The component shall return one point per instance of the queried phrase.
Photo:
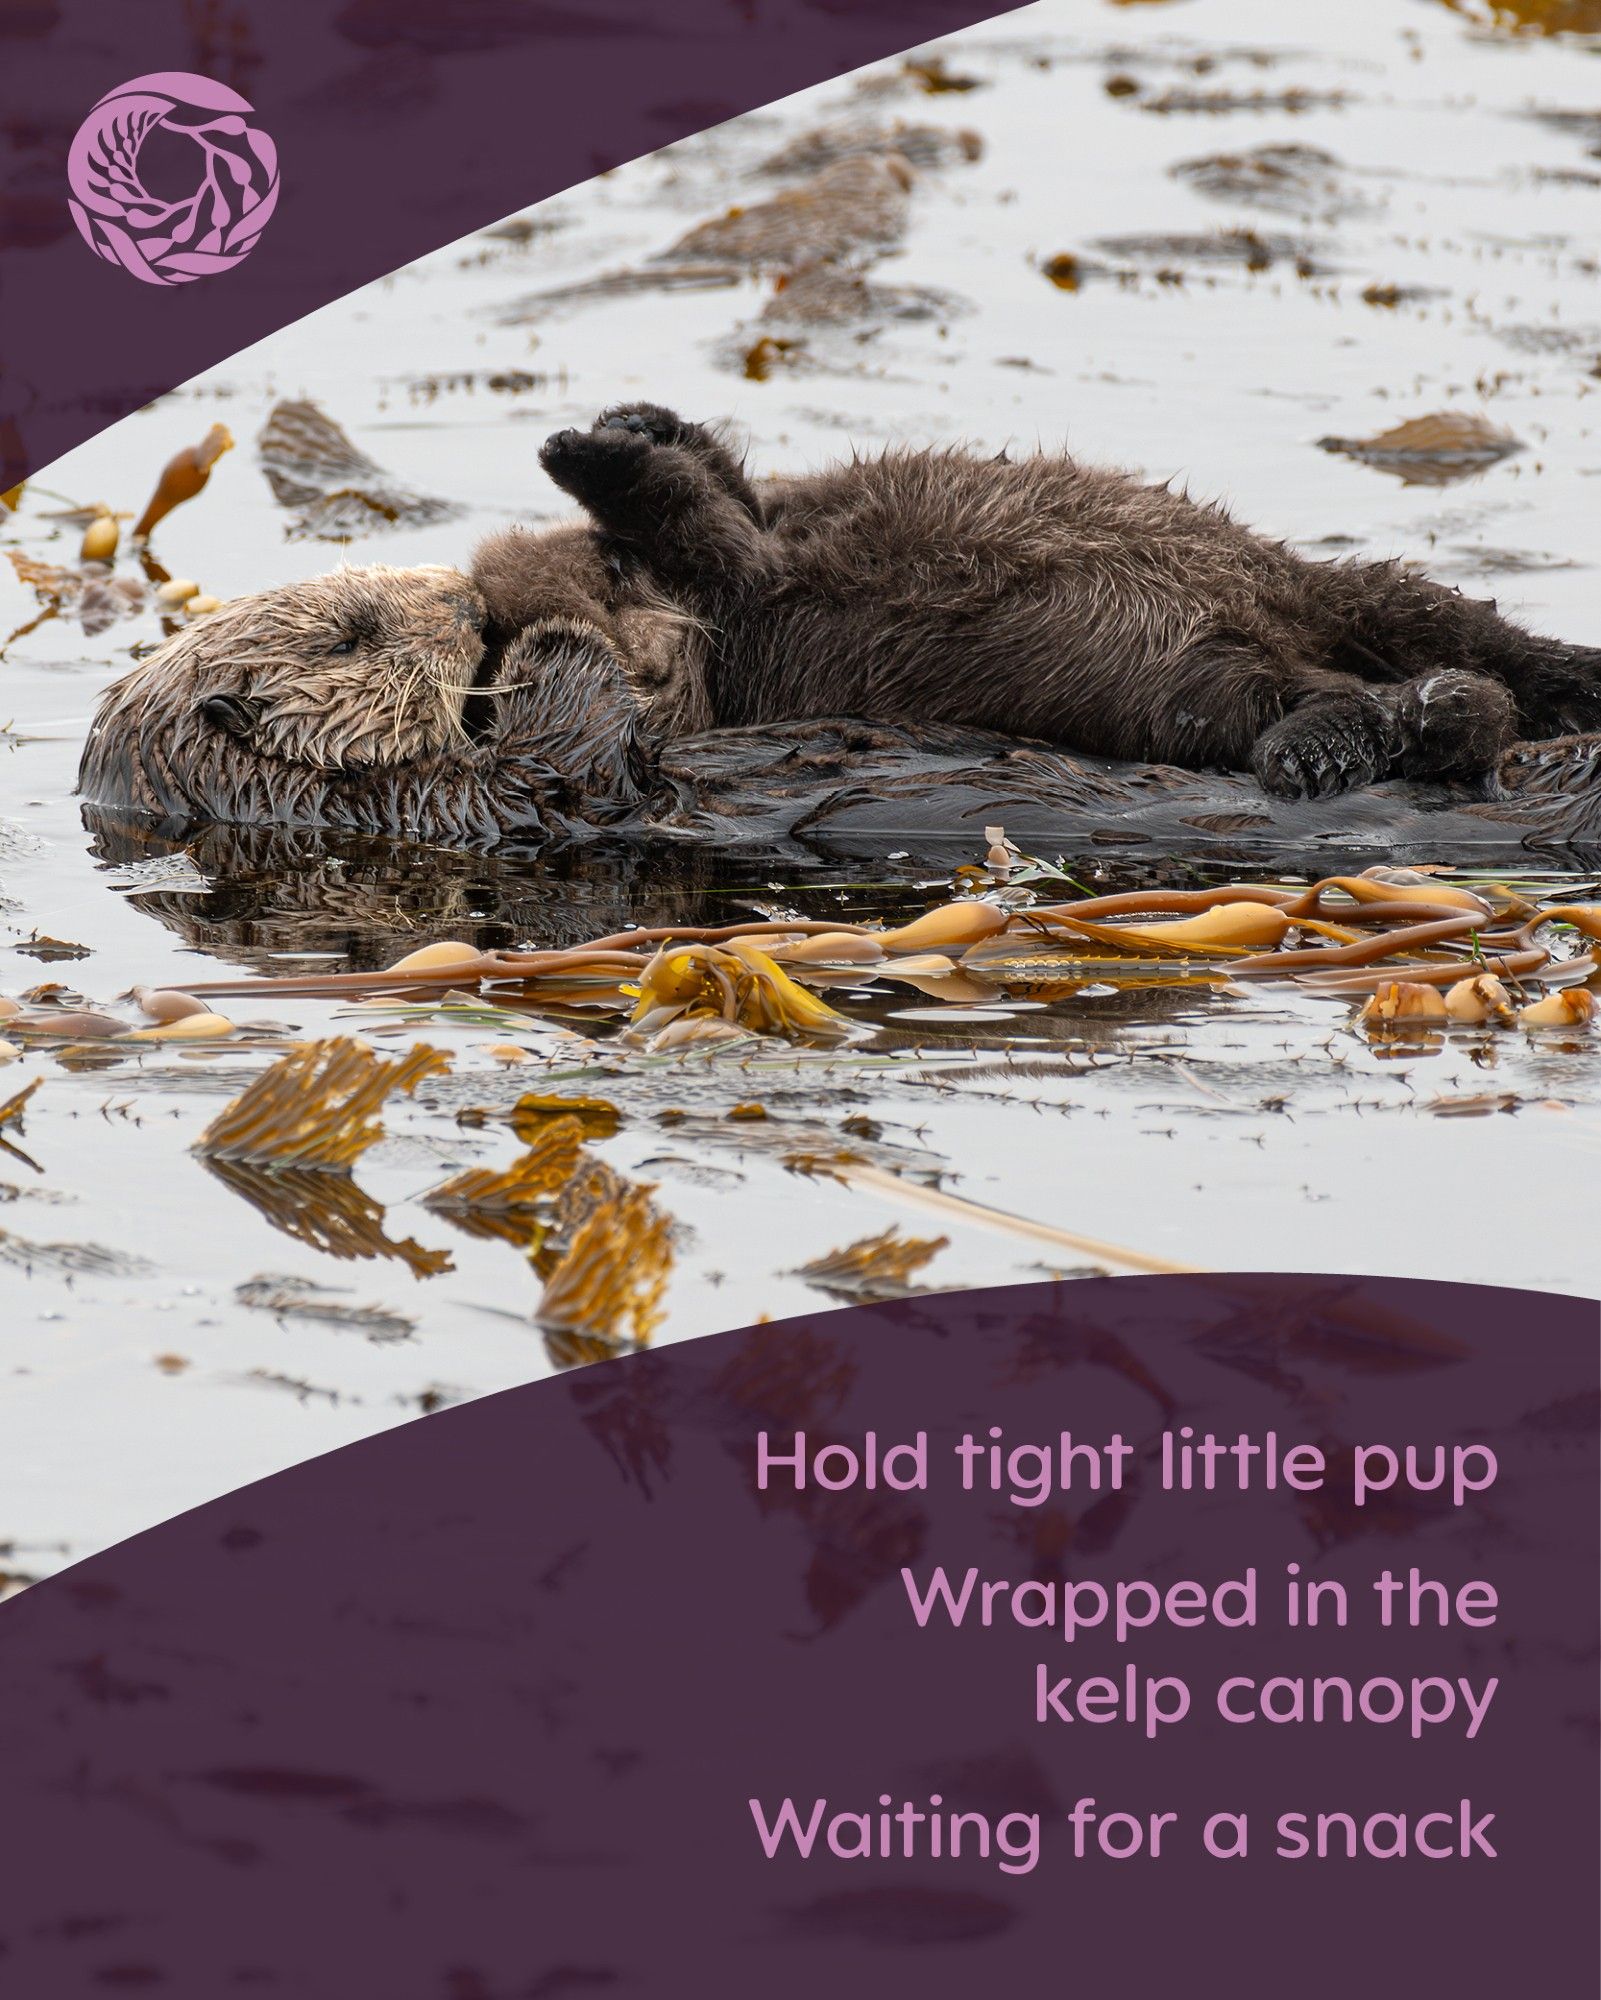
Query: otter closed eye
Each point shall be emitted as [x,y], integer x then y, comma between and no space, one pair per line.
[354,671]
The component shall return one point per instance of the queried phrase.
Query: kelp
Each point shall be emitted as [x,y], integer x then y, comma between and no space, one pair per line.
[183,477]
[316,1107]
[328,1212]
[598,1241]
[1431,451]
[851,1171]
[1572,1007]
[331,489]
[70,1260]
[513,1202]
[691,989]
[12,1109]
[100,539]
[608,1286]
[738,984]
[1533,17]
[89,591]
[533,1113]
[290,1297]
[875,1268]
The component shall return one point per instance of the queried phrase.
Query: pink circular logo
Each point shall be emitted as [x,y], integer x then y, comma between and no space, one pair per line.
[207,230]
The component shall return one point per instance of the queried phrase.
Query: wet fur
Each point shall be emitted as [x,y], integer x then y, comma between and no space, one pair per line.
[258,715]
[935,594]
[1038,597]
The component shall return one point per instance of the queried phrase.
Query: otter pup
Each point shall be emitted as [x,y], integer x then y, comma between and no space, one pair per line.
[1036,597]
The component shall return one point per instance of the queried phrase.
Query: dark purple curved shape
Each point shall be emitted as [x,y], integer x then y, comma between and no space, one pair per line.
[473,1710]
[400,125]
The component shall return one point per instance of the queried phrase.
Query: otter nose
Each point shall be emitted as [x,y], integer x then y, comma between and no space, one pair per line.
[235,714]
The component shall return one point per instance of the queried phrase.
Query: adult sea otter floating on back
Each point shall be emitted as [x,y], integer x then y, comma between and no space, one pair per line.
[912,642]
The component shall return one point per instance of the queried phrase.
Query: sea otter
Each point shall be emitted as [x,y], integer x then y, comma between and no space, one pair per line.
[936,597]
[1037,597]
[368,699]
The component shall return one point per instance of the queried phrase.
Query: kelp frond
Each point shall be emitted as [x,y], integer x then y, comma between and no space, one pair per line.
[737,984]
[522,1194]
[609,1283]
[316,1107]
[875,1267]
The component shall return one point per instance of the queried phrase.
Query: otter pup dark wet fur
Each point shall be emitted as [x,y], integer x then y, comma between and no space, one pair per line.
[1038,597]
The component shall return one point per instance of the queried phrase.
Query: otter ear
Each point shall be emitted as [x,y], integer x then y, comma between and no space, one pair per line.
[235,714]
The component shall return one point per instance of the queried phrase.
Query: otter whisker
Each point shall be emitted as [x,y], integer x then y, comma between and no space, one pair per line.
[402,699]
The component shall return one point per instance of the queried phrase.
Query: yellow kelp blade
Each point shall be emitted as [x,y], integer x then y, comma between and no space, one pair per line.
[1230,927]
[737,983]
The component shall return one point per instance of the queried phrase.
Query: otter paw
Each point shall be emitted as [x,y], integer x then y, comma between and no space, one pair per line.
[648,420]
[1325,748]
[1453,724]
[590,465]
[1560,696]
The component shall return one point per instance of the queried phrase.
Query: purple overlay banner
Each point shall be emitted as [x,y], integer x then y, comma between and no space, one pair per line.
[1227,1634]
[178,180]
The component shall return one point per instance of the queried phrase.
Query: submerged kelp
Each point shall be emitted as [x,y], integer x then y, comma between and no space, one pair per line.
[514,1202]
[316,1108]
[876,1268]
[326,1211]
[608,1285]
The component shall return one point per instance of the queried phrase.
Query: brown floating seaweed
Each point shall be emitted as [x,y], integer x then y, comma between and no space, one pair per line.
[1532,17]
[532,1115]
[875,1268]
[516,1201]
[789,1376]
[89,592]
[601,1245]
[316,1107]
[1432,450]
[11,1111]
[333,490]
[290,1297]
[727,981]
[608,1284]
[738,984]
[858,204]
[183,476]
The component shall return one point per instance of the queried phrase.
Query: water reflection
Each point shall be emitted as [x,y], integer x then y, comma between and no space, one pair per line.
[327,1212]
[256,896]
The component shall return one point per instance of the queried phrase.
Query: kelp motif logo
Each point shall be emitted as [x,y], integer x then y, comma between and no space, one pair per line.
[212,227]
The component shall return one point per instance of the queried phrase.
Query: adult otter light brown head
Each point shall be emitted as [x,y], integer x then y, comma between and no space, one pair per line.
[350,672]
